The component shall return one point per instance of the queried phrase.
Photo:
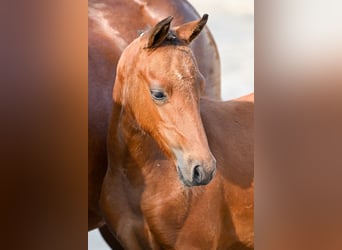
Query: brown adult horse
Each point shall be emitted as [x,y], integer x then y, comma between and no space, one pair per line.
[159,191]
[113,24]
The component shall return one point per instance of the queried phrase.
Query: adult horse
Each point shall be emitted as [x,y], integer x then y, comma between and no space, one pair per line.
[165,145]
[113,24]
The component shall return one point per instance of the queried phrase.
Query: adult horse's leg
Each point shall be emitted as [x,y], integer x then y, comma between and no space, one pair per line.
[97,166]
[110,238]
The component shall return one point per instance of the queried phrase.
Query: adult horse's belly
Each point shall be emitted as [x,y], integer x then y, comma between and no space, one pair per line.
[112,26]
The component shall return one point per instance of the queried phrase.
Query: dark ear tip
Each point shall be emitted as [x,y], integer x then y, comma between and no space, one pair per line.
[165,21]
[203,20]
[169,18]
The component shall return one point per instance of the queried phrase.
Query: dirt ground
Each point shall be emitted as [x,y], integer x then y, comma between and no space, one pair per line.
[232,25]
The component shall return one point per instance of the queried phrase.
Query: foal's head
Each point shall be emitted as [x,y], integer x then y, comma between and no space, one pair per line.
[158,83]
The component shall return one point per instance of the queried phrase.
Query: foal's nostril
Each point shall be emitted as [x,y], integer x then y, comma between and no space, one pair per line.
[197,175]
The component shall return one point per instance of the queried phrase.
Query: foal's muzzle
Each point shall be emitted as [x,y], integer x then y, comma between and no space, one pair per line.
[199,174]
[202,177]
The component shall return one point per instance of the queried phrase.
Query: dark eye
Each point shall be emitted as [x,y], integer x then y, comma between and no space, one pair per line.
[158,95]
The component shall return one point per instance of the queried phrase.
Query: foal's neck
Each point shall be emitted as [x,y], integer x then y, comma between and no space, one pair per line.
[138,147]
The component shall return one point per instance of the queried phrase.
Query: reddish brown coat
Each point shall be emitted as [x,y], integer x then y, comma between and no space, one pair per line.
[149,197]
[113,24]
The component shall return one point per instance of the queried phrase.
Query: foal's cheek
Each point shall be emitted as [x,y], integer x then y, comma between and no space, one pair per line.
[169,116]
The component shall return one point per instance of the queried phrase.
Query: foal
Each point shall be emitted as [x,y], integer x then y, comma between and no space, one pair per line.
[160,190]
[112,25]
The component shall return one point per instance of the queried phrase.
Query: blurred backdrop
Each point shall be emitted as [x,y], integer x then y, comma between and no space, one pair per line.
[232,24]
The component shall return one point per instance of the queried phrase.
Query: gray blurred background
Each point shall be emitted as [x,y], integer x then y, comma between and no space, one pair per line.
[232,25]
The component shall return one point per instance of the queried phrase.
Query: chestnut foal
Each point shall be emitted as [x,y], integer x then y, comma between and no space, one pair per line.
[113,25]
[162,189]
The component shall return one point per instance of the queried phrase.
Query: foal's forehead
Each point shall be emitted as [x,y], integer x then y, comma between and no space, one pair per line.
[173,62]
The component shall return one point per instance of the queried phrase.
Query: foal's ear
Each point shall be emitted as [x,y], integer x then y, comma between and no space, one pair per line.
[189,31]
[159,33]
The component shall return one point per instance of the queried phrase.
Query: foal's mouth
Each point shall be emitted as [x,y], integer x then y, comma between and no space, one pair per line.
[186,183]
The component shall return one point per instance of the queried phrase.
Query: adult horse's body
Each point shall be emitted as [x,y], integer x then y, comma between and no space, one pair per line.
[165,146]
[113,24]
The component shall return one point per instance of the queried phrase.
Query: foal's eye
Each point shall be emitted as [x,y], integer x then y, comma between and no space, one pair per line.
[158,95]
